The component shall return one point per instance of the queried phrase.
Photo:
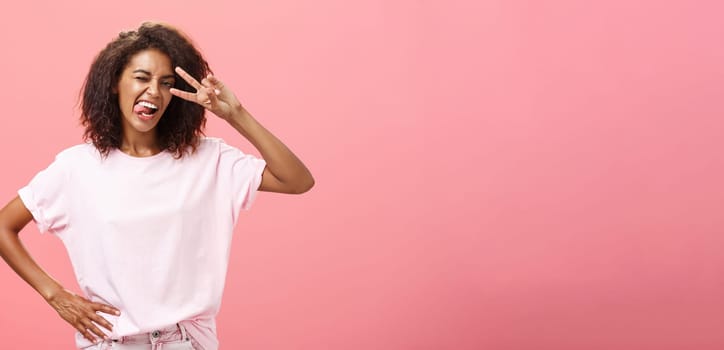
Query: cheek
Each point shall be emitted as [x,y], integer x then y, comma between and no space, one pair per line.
[123,100]
[126,91]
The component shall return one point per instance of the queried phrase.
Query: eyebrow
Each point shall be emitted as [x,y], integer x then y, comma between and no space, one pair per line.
[148,73]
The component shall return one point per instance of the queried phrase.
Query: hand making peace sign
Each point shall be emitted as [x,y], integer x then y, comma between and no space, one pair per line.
[210,93]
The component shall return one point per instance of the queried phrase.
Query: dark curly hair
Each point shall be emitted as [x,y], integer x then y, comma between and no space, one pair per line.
[184,121]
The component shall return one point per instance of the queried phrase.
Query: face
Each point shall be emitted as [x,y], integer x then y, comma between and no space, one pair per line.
[144,90]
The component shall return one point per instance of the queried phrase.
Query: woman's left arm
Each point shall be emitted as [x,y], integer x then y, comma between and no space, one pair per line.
[284,172]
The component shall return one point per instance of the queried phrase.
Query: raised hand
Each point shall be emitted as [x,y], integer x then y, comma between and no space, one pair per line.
[82,313]
[210,93]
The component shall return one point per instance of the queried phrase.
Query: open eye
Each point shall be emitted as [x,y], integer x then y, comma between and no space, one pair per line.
[168,84]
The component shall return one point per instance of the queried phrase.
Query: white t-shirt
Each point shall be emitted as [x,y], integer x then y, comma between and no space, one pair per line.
[151,235]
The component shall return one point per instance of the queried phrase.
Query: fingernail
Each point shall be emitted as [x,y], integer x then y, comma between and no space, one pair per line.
[217,91]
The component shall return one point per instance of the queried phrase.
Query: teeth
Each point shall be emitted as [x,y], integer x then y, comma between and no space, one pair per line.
[148,104]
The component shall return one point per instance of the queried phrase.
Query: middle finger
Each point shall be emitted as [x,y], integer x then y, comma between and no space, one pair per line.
[102,322]
[92,327]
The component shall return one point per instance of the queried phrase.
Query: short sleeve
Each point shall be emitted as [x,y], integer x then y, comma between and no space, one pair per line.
[242,173]
[45,197]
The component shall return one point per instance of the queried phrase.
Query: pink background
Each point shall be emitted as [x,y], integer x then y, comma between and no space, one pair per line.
[490,175]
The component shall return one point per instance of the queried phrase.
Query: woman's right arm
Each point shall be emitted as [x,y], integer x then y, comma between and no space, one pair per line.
[74,309]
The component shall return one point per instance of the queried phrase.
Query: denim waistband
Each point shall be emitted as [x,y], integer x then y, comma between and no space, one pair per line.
[171,333]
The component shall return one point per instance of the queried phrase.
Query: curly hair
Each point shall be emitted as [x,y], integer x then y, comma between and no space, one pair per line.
[100,111]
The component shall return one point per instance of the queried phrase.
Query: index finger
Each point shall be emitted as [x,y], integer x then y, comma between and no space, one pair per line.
[106,308]
[189,79]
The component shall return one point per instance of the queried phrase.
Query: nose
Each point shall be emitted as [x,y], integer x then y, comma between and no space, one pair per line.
[153,88]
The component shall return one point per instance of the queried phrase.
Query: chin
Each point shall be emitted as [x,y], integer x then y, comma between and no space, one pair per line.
[144,128]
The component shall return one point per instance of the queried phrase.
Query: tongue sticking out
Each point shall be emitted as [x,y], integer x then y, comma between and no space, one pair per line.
[143,110]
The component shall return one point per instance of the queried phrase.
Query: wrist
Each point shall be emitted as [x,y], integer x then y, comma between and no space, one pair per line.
[50,291]
[240,118]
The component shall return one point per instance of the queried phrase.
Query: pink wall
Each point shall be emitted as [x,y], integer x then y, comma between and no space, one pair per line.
[490,175]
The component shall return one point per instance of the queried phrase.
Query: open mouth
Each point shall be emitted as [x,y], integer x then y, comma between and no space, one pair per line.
[145,110]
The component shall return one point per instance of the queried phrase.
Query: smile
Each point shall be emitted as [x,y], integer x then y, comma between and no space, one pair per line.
[145,110]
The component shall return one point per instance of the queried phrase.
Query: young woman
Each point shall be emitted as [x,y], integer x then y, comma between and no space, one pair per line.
[147,206]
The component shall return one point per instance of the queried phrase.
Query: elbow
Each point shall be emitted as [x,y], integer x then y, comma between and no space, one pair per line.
[304,186]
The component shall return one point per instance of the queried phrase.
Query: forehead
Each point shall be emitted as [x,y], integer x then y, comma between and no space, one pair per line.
[150,60]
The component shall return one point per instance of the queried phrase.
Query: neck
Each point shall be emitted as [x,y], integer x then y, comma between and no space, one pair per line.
[140,144]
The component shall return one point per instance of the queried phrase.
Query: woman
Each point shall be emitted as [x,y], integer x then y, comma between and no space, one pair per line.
[147,206]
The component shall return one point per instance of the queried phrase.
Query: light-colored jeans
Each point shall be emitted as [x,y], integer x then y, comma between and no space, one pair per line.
[169,338]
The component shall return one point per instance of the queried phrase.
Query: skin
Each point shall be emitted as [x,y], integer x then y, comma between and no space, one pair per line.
[148,76]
